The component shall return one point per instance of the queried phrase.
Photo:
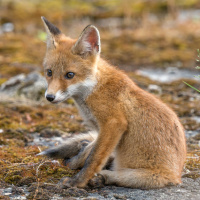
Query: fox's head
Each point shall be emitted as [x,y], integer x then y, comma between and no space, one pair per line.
[70,65]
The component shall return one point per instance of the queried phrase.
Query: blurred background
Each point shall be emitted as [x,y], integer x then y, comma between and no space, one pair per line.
[154,41]
[134,33]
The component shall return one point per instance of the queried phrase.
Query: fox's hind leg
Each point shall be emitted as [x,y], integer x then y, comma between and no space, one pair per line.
[75,150]
[71,147]
[139,178]
[78,161]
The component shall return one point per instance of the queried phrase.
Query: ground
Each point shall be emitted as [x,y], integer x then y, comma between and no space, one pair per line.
[158,52]
[28,126]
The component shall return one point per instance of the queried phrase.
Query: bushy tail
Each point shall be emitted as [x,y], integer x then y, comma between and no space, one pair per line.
[71,147]
[140,178]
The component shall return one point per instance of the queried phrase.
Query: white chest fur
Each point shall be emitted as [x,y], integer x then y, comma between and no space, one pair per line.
[80,92]
[86,114]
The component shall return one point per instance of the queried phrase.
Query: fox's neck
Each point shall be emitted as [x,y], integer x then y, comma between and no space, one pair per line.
[87,88]
[101,75]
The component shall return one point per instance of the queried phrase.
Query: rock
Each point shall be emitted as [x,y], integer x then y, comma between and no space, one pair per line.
[34,86]
[12,82]
[155,89]
[30,86]
[172,70]
[8,27]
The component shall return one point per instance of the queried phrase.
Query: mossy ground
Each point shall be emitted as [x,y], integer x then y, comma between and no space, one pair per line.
[19,163]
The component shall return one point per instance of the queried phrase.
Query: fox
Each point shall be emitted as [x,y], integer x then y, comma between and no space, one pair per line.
[134,139]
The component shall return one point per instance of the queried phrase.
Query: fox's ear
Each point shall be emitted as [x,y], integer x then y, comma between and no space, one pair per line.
[88,42]
[52,33]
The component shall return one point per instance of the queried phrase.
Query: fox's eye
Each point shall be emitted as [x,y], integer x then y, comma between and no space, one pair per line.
[69,75]
[49,73]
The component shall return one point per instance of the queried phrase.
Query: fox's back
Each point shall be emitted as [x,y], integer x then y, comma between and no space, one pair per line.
[155,132]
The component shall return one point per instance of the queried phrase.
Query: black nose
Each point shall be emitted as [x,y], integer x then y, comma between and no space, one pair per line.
[50,97]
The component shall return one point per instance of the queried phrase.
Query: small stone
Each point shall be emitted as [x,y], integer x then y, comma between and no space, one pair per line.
[8,27]
[155,89]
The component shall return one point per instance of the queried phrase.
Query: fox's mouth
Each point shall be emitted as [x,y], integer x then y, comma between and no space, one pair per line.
[58,101]
[57,98]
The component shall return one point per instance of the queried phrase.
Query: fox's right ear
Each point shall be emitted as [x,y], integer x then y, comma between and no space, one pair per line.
[52,33]
[88,43]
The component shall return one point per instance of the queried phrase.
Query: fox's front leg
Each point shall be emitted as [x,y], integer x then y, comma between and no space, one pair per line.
[109,136]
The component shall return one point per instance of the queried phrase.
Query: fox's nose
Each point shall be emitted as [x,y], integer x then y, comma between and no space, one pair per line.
[50,97]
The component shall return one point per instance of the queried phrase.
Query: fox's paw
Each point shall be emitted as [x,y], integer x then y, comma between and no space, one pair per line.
[97,182]
[73,163]
[68,182]
[64,183]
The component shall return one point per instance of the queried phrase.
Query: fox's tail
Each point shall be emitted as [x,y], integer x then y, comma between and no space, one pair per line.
[72,147]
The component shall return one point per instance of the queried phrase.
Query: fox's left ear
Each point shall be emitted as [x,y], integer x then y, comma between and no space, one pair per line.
[88,42]
[52,33]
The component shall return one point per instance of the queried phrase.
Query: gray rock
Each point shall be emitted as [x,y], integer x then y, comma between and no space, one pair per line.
[12,82]
[155,89]
[8,27]
[30,86]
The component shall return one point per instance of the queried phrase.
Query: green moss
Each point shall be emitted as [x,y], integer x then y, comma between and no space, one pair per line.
[193,163]
[13,177]
[27,181]
[193,175]
[11,133]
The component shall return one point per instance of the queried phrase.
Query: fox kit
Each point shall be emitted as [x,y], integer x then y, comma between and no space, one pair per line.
[142,135]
